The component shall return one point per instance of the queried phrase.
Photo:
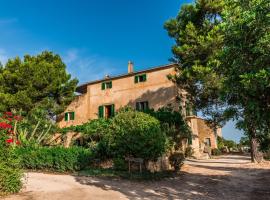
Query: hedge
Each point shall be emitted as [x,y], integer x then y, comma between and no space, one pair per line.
[58,159]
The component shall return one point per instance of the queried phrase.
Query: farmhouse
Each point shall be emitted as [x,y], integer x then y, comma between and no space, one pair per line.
[141,90]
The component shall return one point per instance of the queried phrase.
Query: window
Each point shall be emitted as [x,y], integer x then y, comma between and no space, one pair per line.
[106,85]
[207,142]
[69,116]
[106,111]
[141,106]
[140,78]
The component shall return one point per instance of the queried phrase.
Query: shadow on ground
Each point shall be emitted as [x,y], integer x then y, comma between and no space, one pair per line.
[225,180]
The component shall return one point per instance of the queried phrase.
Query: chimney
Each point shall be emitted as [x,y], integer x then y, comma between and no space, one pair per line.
[130,67]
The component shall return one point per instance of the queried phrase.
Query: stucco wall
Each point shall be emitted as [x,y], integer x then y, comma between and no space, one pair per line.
[201,131]
[206,132]
[78,105]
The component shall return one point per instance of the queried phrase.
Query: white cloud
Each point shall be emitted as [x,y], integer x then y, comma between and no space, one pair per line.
[88,67]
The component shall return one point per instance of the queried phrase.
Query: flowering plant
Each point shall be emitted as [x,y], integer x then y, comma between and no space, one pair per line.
[8,124]
[10,168]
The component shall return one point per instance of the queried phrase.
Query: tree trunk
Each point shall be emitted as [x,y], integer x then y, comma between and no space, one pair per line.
[256,156]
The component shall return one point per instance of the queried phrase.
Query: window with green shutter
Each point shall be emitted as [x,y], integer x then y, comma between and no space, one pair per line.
[112,110]
[140,78]
[72,115]
[136,79]
[103,86]
[69,116]
[101,111]
[106,85]
[142,106]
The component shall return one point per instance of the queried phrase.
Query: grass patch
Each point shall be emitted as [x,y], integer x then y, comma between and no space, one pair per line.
[136,175]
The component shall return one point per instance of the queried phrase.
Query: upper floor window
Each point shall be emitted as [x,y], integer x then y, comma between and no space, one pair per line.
[106,85]
[69,116]
[141,106]
[140,78]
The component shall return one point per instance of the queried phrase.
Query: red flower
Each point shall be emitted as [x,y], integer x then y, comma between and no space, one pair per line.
[8,113]
[4,125]
[18,118]
[10,140]
[9,119]
[18,142]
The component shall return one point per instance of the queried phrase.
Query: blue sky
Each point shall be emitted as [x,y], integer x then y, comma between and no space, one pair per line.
[94,37]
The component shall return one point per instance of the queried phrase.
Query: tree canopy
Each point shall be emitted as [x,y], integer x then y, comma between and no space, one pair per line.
[33,82]
[222,48]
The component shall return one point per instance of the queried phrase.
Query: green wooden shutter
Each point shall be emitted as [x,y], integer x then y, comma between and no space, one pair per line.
[136,79]
[66,116]
[110,84]
[103,86]
[144,77]
[72,117]
[101,111]
[146,105]
[137,106]
[112,110]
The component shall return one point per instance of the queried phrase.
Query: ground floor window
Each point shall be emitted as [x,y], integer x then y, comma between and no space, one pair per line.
[69,116]
[106,111]
[141,106]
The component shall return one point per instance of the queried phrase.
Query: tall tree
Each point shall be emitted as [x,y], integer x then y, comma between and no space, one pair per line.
[36,82]
[246,65]
[222,48]
[198,41]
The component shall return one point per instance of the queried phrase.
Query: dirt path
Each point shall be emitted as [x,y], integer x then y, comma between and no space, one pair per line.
[229,177]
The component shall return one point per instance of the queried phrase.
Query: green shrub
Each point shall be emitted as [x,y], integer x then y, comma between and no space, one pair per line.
[119,164]
[135,134]
[10,179]
[216,152]
[189,151]
[10,172]
[177,160]
[58,159]
[173,124]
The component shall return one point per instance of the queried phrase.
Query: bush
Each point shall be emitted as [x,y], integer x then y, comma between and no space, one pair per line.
[119,164]
[10,172]
[57,159]
[136,134]
[189,151]
[216,152]
[177,160]
[173,124]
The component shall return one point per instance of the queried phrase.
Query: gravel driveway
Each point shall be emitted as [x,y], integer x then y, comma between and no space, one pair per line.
[228,177]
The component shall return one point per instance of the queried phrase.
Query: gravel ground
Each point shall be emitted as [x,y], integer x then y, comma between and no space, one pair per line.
[227,177]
